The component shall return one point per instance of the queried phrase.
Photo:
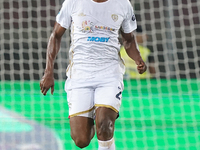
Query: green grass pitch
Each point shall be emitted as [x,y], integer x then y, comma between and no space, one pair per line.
[155,114]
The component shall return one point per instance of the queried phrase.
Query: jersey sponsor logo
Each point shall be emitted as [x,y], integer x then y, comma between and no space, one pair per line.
[98,39]
[88,26]
[133,18]
[104,28]
[114,17]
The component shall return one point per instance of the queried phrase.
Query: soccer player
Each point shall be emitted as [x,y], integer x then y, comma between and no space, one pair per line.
[94,82]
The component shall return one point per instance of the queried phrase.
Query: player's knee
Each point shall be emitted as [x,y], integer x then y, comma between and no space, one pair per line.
[81,143]
[80,140]
[105,129]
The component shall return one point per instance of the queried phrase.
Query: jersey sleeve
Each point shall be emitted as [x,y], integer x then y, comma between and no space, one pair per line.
[129,24]
[64,15]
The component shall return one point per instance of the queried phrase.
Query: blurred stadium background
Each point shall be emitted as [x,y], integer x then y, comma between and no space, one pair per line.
[158,112]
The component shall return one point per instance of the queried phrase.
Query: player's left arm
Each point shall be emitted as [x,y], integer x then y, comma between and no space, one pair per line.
[131,47]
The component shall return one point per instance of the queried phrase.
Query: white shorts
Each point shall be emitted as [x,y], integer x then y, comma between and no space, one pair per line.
[84,96]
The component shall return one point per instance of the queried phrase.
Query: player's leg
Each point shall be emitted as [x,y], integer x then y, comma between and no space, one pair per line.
[105,121]
[81,112]
[82,130]
[107,102]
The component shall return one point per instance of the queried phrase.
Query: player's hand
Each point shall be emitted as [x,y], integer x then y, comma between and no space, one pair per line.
[141,66]
[46,83]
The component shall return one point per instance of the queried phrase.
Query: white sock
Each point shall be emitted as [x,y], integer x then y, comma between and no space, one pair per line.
[107,145]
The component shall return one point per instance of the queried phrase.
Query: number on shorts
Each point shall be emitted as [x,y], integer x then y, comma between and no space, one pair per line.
[117,96]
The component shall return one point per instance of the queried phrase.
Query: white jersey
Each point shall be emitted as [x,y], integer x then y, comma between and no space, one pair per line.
[94,50]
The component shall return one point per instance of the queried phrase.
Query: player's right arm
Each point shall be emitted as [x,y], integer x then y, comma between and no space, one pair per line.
[53,47]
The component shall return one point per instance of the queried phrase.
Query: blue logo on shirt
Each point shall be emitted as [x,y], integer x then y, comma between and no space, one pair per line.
[98,39]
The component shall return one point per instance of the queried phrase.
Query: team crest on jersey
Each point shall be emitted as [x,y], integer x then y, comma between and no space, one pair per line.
[114,17]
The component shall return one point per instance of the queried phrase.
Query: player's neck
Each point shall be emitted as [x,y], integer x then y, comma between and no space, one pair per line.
[100,1]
